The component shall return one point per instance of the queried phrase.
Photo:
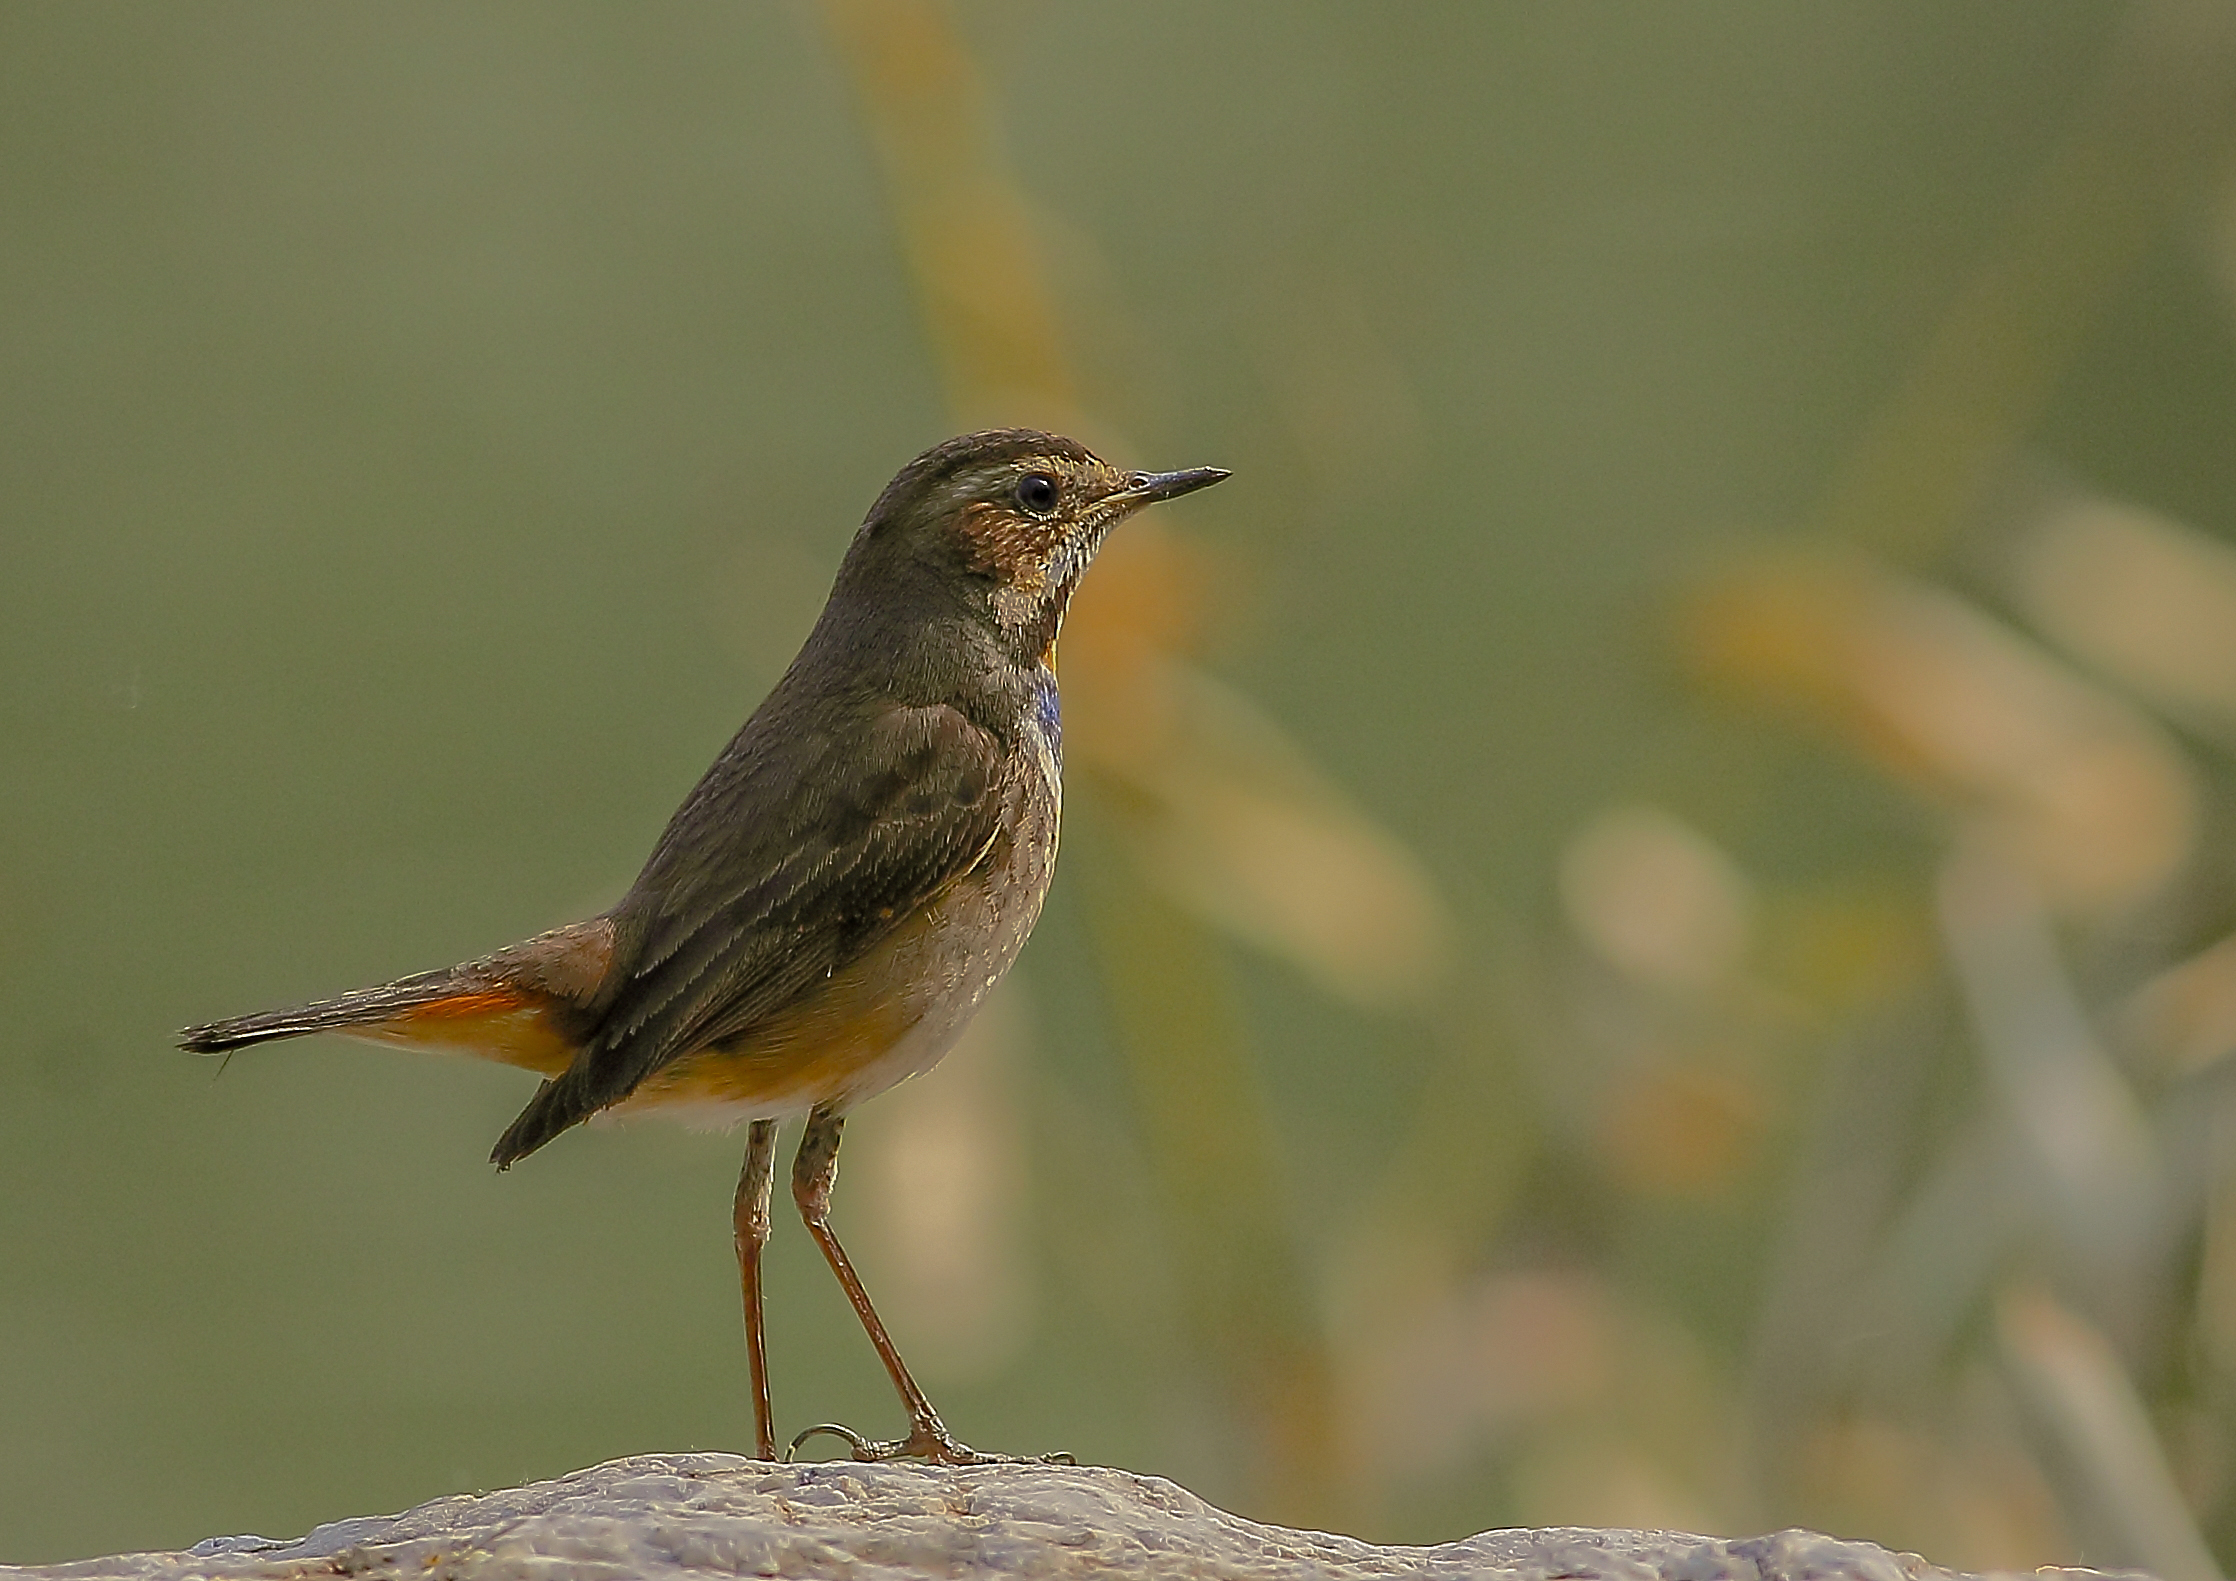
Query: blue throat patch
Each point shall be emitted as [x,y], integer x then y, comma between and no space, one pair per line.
[1048,709]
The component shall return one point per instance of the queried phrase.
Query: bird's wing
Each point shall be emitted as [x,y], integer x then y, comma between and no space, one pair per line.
[782,868]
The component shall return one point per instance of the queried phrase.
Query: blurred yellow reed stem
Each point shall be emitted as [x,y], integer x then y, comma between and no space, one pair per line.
[963,226]
[2070,1380]
[968,239]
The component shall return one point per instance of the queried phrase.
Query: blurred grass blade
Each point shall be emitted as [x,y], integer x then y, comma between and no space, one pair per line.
[1209,1129]
[972,252]
[1940,1256]
[2089,1143]
[1851,1168]
[944,1169]
[2140,596]
[2077,786]
[2184,1017]
[2216,1273]
[1237,825]
[2086,1407]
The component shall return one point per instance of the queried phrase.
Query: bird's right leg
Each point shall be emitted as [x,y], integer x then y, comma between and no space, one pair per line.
[749,1230]
[813,1171]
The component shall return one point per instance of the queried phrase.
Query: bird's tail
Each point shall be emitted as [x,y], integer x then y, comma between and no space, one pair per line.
[522,1006]
[366,1012]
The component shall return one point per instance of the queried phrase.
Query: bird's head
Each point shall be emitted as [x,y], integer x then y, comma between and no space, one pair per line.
[1008,521]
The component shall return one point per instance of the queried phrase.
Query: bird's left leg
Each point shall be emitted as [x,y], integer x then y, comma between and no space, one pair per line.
[749,1230]
[813,1171]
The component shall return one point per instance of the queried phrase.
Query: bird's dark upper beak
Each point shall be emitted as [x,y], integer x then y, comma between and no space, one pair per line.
[1144,488]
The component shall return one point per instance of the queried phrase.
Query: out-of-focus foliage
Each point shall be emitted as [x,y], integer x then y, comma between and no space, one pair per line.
[1646,928]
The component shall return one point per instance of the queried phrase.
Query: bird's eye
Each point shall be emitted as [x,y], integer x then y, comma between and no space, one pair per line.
[1036,492]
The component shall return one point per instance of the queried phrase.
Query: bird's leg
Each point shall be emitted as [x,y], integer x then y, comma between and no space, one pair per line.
[749,1230]
[813,1171]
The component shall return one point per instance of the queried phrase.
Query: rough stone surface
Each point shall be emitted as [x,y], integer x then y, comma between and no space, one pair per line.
[658,1517]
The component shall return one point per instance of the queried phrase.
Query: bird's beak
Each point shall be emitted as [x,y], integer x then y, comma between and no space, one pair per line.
[1146,488]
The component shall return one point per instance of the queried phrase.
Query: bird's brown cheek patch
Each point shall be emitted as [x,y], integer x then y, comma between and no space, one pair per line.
[1004,544]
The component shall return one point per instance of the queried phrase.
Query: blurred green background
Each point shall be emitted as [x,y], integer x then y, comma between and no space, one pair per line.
[1639,939]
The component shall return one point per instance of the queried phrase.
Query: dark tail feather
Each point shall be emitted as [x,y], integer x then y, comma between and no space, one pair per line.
[544,1116]
[556,1106]
[366,1007]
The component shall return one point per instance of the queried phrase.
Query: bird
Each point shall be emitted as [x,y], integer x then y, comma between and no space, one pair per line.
[835,897]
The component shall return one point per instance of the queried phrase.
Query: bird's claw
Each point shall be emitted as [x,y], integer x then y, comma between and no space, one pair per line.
[932,1443]
[859,1447]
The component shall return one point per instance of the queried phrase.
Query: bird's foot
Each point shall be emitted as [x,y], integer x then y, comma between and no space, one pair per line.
[930,1442]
